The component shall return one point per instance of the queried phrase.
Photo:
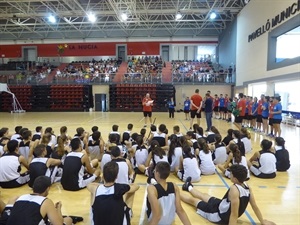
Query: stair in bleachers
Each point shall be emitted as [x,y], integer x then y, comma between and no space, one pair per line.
[121,71]
[49,78]
[167,73]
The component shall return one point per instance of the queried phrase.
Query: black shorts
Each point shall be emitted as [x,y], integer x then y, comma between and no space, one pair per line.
[253,117]
[238,119]
[186,111]
[195,114]
[149,114]
[246,116]
[276,121]
[229,111]
[264,118]
[210,210]
[216,109]
[259,118]
[223,109]
[271,121]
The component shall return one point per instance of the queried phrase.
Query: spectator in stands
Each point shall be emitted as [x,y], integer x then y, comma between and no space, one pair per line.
[230,74]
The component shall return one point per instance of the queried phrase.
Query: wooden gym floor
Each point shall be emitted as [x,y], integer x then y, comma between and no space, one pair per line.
[278,199]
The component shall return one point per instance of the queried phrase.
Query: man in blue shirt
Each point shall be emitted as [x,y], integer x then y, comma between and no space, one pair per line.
[277,116]
[208,109]
[222,107]
[186,108]
[171,106]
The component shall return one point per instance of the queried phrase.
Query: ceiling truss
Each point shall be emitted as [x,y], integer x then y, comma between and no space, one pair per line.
[28,19]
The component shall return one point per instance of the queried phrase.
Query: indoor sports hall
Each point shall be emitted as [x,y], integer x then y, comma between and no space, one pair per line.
[85,63]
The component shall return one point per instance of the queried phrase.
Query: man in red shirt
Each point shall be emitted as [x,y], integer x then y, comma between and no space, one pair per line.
[241,106]
[147,108]
[196,105]
[216,106]
[259,111]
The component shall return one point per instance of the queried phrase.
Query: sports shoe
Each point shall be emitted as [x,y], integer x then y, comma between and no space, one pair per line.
[187,183]
[76,219]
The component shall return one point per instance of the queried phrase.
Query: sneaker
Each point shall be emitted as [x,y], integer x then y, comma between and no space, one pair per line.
[151,180]
[187,183]
[76,219]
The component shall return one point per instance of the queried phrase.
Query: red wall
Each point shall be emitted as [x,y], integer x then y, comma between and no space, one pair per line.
[89,49]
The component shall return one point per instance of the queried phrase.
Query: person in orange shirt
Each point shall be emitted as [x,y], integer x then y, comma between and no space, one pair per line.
[259,113]
[147,108]
[249,106]
[196,105]
[241,106]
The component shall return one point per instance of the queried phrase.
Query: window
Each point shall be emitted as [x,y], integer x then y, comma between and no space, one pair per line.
[289,92]
[288,45]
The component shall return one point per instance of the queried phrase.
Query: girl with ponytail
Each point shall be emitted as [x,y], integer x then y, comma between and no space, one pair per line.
[140,155]
[234,158]
[207,165]
[246,139]
[175,152]
[236,135]
[189,166]
[62,148]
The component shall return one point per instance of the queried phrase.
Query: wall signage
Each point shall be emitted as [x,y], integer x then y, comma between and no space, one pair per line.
[279,18]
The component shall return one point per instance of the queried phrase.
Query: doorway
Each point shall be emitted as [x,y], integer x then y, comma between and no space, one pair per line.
[122,52]
[29,53]
[100,103]
[165,52]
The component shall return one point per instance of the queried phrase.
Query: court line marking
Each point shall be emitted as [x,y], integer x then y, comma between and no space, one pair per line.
[100,117]
[143,210]
[194,184]
[246,212]
[183,125]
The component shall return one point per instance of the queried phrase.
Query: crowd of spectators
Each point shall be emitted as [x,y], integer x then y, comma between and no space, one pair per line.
[102,70]
[144,69]
[199,71]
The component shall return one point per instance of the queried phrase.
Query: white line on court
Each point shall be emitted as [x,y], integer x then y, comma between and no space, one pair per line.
[95,119]
[143,211]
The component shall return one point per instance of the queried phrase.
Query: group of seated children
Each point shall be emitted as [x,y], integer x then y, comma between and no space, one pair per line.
[77,162]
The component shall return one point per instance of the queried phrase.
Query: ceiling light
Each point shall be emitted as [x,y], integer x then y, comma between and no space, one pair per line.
[213,16]
[52,19]
[178,16]
[124,16]
[92,18]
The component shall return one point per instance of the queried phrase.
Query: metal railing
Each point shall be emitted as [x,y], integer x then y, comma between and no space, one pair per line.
[135,78]
[204,78]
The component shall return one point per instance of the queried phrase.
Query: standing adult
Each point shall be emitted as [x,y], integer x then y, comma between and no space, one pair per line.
[259,113]
[222,107]
[147,108]
[186,108]
[277,116]
[241,107]
[208,109]
[196,104]
[171,107]
[230,74]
